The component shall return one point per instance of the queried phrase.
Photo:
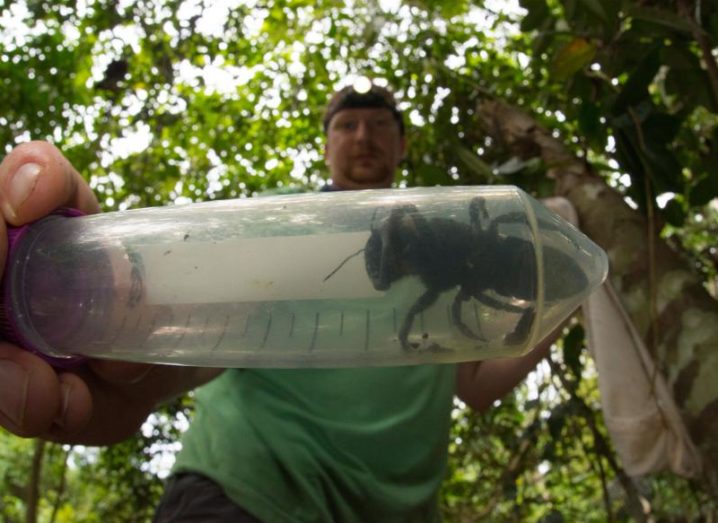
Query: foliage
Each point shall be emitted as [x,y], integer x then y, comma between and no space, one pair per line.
[638,88]
[543,455]
[176,100]
[120,483]
[538,463]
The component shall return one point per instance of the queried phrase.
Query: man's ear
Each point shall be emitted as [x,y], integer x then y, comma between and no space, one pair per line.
[326,153]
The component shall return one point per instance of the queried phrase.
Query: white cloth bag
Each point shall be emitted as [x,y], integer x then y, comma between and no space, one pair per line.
[642,419]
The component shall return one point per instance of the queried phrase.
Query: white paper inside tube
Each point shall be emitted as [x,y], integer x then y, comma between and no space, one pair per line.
[257,269]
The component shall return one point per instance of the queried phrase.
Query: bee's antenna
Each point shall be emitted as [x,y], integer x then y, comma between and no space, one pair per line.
[373,217]
[343,263]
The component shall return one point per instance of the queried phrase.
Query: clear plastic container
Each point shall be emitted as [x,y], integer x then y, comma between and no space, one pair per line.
[355,278]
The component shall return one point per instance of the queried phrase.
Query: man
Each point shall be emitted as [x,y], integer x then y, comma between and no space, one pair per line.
[365,138]
[365,444]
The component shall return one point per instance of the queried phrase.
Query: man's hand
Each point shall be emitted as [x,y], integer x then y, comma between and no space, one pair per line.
[480,383]
[101,402]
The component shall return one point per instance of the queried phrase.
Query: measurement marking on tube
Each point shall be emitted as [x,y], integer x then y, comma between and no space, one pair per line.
[393,318]
[150,330]
[366,330]
[204,329]
[266,330]
[184,330]
[476,317]
[224,331]
[448,315]
[314,334]
[341,324]
[246,324]
[291,326]
[421,321]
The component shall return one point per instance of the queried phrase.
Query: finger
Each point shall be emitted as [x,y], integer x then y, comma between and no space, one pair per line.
[75,410]
[36,179]
[118,372]
[99,412]
[30,398]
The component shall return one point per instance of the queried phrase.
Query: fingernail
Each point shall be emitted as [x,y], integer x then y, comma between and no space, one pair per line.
[65,389]
[20,187]
[15,381]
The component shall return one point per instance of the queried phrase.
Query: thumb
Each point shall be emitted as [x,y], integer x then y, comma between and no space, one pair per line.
[36,179]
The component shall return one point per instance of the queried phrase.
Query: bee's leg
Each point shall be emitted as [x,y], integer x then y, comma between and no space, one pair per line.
[425,301]
[478,214]
[497,304]
[462,296]
[408,221]
[523,328]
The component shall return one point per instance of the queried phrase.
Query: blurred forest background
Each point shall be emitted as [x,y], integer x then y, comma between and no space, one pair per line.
[610,103]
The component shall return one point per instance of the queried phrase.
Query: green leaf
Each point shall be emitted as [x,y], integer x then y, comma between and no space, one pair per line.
[705,190]
[674,213]
[429,174]
[659,131]
[554,516]
[635,90]
[596,8]
[447,8]
[589,122]
[472,161]
[661,17]
[556,423]
[686,78]
[538,12]
[572,57]
[548,452]
[573,344]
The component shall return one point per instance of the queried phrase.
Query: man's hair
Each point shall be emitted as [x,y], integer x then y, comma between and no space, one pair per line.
[376,98]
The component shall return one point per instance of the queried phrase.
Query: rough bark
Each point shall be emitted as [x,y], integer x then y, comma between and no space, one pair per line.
[665,297]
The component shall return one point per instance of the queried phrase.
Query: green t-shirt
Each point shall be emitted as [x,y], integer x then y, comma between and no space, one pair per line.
[313,445]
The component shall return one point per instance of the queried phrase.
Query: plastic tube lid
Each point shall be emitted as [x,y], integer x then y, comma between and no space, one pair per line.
[9,329]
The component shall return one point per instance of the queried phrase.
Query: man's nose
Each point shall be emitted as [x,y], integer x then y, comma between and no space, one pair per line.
[363,130]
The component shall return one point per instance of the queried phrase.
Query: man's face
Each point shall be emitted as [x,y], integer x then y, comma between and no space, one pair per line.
[364,148]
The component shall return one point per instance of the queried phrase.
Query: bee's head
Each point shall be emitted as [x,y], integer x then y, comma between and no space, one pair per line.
[380,259]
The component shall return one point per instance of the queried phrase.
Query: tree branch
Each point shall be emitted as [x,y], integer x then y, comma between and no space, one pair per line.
[709,60]
[608,220]
[685,10]
[60,487]
[653,332]
[33,490]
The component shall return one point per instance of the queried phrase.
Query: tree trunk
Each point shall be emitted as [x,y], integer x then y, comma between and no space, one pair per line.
[33,487]
[665,298]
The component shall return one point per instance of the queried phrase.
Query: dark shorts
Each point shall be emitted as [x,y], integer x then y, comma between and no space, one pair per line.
[192,497]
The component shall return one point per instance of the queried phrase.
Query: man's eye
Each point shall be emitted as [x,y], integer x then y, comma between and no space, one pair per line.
[348,125]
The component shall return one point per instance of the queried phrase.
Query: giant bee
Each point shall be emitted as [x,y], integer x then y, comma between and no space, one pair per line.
[496,269]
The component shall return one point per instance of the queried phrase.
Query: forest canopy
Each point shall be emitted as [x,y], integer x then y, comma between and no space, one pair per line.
[176,101]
